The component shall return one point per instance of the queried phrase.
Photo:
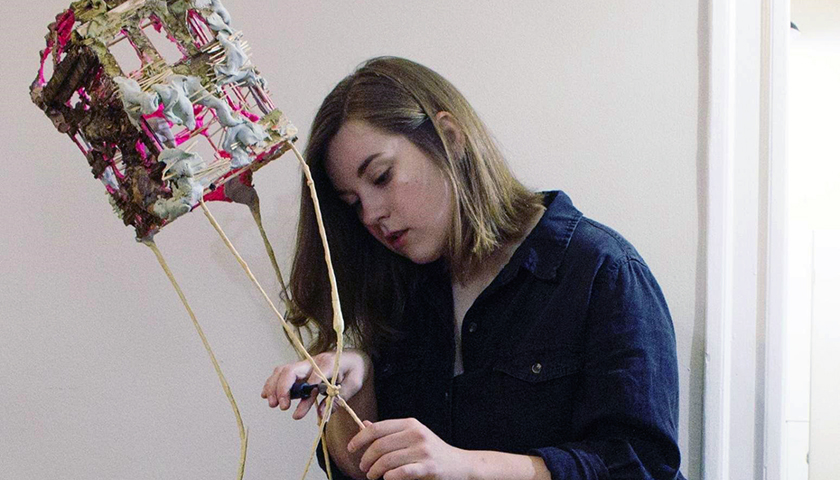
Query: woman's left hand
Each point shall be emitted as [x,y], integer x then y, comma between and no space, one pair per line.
[405,449]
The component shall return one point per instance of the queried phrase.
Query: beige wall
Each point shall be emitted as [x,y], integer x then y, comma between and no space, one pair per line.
[814,248]
[101,373]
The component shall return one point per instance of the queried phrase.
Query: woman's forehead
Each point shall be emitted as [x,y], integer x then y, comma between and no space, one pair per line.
[356,145]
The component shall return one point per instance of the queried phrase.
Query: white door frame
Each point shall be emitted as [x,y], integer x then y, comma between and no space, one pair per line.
[745,299]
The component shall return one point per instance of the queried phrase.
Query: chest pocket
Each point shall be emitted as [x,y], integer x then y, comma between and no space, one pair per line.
[534,393]
[538,366]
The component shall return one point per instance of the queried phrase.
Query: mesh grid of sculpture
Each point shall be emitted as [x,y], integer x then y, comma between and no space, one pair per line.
[131,121]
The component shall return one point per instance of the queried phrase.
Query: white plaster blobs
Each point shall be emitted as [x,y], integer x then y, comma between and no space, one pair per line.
[186,188]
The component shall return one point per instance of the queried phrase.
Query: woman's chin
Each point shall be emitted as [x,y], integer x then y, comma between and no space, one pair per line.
[419,257]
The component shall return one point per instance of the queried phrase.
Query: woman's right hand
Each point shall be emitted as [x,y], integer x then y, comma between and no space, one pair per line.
[355,369]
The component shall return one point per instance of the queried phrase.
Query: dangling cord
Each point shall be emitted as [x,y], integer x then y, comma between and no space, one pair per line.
[243,434]
[255,212]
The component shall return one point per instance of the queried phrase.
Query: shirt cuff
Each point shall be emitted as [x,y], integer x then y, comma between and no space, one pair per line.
[575,463]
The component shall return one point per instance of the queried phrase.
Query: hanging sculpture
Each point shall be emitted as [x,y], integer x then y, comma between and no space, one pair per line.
[131,124]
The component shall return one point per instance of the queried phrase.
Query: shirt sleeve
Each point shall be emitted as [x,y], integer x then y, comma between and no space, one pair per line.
[627,410]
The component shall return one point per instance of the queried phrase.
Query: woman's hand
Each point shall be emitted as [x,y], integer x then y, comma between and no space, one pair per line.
[405,449]
[354,371]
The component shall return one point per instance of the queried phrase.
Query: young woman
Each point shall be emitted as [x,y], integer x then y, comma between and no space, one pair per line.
[499,332]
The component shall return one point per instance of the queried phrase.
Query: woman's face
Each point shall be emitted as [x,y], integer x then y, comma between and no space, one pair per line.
[401,197]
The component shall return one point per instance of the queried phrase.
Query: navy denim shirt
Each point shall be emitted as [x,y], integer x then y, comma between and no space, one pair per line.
[569,354]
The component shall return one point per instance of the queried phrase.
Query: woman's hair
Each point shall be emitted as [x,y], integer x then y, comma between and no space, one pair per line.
[491,207]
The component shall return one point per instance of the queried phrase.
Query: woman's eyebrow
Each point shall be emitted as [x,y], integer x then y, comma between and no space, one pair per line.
[364,165]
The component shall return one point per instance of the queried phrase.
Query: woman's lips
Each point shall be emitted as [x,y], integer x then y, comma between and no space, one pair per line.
[396,240]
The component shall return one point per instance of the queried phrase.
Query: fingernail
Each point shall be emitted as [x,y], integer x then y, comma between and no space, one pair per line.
[350,447]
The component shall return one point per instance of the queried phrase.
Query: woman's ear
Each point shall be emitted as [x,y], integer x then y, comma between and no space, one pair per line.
[453,132]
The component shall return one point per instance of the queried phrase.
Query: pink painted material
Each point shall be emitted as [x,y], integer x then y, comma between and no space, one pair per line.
[156,23]
[141,149]
[195,21]
[245,113]
[61,31]
[157,113]
[219,195]
[185,134]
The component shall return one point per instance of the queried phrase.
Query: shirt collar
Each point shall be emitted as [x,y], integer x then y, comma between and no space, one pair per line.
[543,250]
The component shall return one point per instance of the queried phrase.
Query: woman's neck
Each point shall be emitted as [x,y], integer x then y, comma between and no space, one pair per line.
[486,270]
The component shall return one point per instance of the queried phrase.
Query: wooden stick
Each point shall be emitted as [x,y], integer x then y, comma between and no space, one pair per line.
[248,93]
[197,132]
[116,41]
[154,77]
[338,318]
[324,448]
[243,433]
[204,93]
[321,425]
[210,45]
[159,62]
[221,128]
[159,78]
[210,171]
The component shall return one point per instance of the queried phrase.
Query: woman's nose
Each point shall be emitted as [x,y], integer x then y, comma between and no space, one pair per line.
[372,211]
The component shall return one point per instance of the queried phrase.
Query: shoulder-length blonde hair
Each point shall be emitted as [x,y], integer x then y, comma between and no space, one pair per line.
[401,97]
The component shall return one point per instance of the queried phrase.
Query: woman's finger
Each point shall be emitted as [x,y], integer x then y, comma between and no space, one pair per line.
[388,462]
[269,387]
[385,446]
[323,362]
[285,380]
[322,406]
[375,431]
[304,406]
[287,377]
[406,472]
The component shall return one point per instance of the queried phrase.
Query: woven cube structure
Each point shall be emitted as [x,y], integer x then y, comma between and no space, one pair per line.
[137,123]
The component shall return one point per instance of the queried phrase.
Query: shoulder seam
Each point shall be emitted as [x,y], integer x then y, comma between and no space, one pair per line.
[628,252]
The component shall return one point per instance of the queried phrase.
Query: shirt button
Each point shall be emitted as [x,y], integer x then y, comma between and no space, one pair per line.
[536,368]
[472,327]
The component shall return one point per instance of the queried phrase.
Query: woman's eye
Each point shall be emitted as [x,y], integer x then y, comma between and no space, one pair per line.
[383,178]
